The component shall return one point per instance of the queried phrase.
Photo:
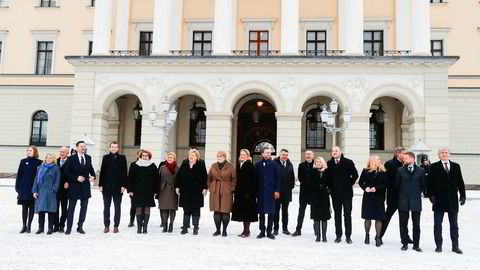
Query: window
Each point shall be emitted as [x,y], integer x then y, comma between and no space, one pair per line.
[314,131]
[48,3]
[258,42]
[316,42]
[138,131]
[1,52]
[202,43]
[39,129]
[198,129]
[90,47]
[146,43]
[436,47]
[377,130]
[3,3]
[44,57]
[437,1]
[373,43]
[92,3]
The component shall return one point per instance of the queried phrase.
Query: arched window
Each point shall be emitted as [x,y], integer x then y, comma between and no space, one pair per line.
[314,130]
[39,129]
[198,127]
[377,131]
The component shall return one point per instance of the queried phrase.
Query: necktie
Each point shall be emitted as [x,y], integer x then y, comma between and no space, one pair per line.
[446,167]
[336,161]
[410,169]
[82,161]
[62,162]
[284,164]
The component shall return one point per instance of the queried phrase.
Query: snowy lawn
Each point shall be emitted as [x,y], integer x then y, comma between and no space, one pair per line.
[157,250]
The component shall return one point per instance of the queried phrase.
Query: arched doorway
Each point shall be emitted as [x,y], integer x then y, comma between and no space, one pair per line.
[256,125]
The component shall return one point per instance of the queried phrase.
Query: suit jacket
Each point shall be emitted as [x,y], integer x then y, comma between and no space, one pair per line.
[62,192]
[305,170]
[444,187]
[73,169]
[113,174]
[287,180]
[410,187]
[342,177]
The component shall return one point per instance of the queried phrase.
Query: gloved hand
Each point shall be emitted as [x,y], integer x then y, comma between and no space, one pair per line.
[462,201]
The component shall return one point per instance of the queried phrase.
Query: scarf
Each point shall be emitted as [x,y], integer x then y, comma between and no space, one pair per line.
[144,163]
[221,164]
[43,170]
[171,166]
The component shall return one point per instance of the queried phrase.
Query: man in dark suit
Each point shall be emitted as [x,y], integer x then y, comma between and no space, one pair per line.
[80,172]
[445,181]
[304,170]
[392,192]
[113,180]
[410,182]
[62,196]
[267,173]
[342,175]
[287,183]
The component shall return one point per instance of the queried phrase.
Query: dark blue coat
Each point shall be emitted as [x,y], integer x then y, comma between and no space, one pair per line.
[268,175]
[410,187]
[287,180]
[25,178]
[47,191]
[73,169]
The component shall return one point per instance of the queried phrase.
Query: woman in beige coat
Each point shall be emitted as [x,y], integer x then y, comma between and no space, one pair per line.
[221,184]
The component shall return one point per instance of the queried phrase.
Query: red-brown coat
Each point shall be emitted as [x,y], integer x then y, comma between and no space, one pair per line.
[221,184]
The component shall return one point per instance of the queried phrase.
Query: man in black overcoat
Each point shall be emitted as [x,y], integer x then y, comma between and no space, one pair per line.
[287,183]
[304,170]
[62,196]
[445,182]
[113,180]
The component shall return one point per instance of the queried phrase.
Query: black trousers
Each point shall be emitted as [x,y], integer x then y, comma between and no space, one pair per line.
[346,204]
[301,215]
[276,219]
[391,209]
[107,202]
[41,220]
[404,216]
[72,203]
[194,213]
[132,210]
[62,206]
[437,227]
[269,223]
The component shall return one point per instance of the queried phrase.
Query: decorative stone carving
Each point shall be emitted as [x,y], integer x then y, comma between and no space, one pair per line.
[289,89]
[416,85]
[154,86]
[218,88]
[357,89]
[101,81]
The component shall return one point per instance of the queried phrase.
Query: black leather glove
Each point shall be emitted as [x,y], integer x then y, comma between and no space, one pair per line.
[432,199]
[462,201]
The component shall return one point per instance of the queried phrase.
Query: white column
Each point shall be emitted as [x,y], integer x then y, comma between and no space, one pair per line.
[177,21]
[355,140]
[289,28]
[121,35]
[224,27]
[350,13]
[402,25]
[102,28]
[289,135]
[219,135]
[420,27]
[162,27]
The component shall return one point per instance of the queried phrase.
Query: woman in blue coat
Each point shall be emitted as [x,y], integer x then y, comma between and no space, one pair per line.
[23,186]
[45,188]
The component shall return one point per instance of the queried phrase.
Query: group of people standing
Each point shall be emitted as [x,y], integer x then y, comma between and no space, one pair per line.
[244,192]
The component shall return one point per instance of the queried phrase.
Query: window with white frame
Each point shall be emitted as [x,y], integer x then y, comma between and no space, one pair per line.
[436,47]
[48,3]
[44,58]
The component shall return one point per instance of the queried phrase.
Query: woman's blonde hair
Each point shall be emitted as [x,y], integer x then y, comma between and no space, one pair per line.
[322,161]
[172,154]
[373,166]
[222,153]
[54,158]
[195,151]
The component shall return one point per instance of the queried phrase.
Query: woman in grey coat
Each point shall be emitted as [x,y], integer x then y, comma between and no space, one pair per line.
[45,188]
[167,198]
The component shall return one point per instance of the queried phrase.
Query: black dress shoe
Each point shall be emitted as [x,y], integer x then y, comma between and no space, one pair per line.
[68,231]
[270,236]
[438,249]
[170,228]
[130,224]
[49,232]
[338,240]
[61,230]
[457,250]
[404,247]
[275,232]
[378,241]
[56,229]
[24,229]
[80,230]
[349,241]
[165,229]
[217,233]
[195,230]
[184,231]
[417,249]
[261,235]
[29,229]
[286,232]
[224,234]
[40,231]
[297,233]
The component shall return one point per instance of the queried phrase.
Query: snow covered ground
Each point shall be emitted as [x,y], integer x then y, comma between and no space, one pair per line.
[157,250]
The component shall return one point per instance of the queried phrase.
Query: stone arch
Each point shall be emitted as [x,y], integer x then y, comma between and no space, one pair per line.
[108,95]
[252,87]
[409,98]
[322,89]
[183,89]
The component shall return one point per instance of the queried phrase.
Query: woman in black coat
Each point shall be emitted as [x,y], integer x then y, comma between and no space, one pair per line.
[142,183]
[23,186]
[191,186]
[319,199]
[244,207]
[373,181]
